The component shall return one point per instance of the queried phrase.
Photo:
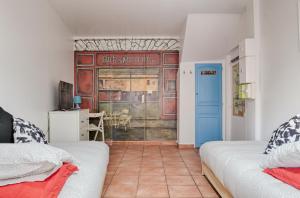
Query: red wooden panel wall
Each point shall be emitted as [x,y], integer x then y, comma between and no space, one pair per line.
[85,79]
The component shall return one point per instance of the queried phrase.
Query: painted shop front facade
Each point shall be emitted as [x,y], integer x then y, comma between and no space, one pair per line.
[136,89]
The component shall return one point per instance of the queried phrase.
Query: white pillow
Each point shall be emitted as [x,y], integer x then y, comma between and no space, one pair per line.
[29,162]
[287,155]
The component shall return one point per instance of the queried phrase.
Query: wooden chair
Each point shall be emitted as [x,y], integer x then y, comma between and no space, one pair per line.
[100,127]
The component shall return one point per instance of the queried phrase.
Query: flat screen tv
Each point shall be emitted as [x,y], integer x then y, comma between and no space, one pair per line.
[65,95]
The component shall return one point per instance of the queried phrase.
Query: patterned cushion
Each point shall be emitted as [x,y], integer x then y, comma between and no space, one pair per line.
[286,133]
[25,132]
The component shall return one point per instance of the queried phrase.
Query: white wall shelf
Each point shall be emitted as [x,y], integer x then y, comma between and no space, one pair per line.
[247,61]
[247,91]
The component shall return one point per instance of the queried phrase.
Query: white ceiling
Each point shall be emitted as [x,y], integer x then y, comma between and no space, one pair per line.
[136,18]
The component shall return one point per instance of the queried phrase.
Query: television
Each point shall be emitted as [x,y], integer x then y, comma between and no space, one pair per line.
[65,95]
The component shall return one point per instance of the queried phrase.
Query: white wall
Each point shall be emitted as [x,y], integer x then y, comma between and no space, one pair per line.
[241,128]
[279,63]
[208,37]
[35,53]
[238,128]
[186,110]
[235,125]
[247,22]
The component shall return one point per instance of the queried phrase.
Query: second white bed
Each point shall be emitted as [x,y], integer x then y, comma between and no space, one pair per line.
[237,167]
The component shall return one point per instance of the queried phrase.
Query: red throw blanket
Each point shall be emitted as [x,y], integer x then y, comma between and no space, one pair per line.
[49,188]
[290,176]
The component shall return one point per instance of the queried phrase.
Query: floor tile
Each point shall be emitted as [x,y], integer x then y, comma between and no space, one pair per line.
[132,158]
[108,179]
[152,153]
[180,181]
[104,190]
[174,164]
[172,159]
[184,191]
[208,192]
[147,191]
[125,179]
[123,190]
[171,154]
[150,179]
[151,147]
[111,170]
[149,163]
[156,153]
[152,158]
[115,160]
[130,164]
[195,170]
[128,171]
[155,171]
[176,171]
[200,180]
[191,163]
[152,171]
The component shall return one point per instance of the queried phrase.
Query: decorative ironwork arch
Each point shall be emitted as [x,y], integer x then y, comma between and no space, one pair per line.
[124,44]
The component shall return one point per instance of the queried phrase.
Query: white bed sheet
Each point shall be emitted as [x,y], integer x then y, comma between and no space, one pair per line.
[237,166]
[93,158]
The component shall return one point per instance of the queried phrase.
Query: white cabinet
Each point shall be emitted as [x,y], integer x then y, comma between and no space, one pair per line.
[247,60]
[247,67]
[247,48]
[68,126]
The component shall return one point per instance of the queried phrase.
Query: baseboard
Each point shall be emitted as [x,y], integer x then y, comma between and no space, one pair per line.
[186,146]
[149,143]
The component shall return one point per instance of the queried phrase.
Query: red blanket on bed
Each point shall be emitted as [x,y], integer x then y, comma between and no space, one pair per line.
[49,188]
[290,176]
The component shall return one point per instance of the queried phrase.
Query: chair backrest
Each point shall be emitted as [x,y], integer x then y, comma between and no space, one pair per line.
[125,111]
[100,116]
[97,115]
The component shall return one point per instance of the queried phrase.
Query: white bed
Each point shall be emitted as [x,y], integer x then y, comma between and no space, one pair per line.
[88,182]
[236,165]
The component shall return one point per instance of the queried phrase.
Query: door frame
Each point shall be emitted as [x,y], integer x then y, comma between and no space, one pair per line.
[224,86]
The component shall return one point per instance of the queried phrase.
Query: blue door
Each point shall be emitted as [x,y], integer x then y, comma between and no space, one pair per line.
[208,103]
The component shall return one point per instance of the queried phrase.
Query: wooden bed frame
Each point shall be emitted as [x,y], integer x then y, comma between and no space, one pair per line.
[215,181]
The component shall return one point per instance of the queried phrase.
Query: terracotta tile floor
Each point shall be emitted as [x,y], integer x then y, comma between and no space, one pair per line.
[155,171]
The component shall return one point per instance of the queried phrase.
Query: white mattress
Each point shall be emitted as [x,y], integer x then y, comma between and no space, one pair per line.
[237,166]
[93,159]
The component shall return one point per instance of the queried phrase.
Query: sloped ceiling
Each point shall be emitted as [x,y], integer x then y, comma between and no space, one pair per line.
[136,18]
[210,41]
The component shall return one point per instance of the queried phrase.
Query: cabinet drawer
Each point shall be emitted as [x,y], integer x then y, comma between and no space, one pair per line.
[84,113]
[84,135]
[84,122]
[84,119]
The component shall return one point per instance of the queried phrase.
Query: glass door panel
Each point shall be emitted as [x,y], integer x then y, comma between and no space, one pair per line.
[122,96]
[138,103]
[153,94]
